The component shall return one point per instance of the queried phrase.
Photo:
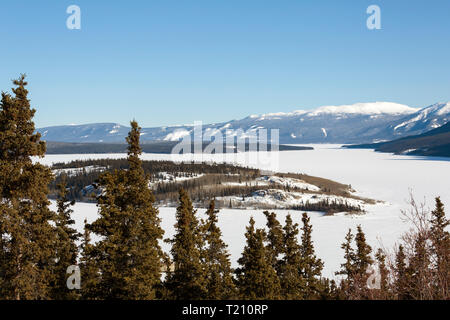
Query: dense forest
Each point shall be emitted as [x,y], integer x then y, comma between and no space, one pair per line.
[38,246]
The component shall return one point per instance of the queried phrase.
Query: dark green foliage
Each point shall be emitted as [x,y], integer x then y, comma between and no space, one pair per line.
[66,247]
[419,265]
[330,207]
[256,278]
[275,239]
[356,266]
[291,279]
[402,275]
[384,291]
[311,266]
[188,280]
[440,250]
[348,267]
[90,277]
[128,256]
[216,258]
[28,239]
[363,260]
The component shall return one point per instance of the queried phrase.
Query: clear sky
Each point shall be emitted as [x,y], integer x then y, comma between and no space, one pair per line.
[173,62]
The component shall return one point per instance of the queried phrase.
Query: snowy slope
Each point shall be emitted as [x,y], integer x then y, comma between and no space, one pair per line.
[426,119]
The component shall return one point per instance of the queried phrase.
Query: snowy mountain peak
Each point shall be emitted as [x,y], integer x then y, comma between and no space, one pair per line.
[425,119]
[437,108]
[369,108]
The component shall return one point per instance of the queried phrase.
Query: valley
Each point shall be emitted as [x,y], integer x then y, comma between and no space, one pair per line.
[380,176]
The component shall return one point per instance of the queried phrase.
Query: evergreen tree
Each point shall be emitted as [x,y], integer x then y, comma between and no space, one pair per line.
[28,239]
[440,239]
[419,264]
[348,268]
[402,275]
[128,255]
[311,266]
[256,277]
[66,247]
[383,292]
[90,277]
[274,240]
[220,284]
[188,281]
[291,279]
[363,260]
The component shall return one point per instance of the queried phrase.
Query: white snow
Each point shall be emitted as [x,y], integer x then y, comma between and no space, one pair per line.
[177,135]
[369,108]
[290,182]
[374,175]
[366,108]
[168,177]
[275,198]
[73,171]
[425,114]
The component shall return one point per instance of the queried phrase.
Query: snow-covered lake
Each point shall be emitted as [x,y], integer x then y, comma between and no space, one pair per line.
[379,176]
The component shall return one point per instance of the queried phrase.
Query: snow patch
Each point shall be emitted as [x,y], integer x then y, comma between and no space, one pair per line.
[177,135]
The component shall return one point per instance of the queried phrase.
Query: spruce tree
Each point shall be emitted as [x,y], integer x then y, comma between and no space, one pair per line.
[363,260]
[311,266]
[188,281]
[90,277]
[66,247]
[129,256]
[274,240]
[256,278]
[220,284]
[383,292]
[291,279]
[348,269]
[440,250]
[28,241]
[402,275]
[420,265]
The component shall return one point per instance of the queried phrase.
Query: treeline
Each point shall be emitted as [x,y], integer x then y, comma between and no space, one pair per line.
[329,206]
[211,175]
[279,261]
[216,181]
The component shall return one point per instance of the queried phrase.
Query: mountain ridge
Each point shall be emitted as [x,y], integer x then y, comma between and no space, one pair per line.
[347,124]
[435,143]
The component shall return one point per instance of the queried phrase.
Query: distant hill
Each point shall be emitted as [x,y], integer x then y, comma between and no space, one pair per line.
[357,123]
[432,143]
[164,147]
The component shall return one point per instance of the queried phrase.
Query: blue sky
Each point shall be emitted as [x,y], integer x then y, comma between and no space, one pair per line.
[173,62]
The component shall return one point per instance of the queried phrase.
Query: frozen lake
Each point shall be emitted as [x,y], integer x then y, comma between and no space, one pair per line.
[379,176]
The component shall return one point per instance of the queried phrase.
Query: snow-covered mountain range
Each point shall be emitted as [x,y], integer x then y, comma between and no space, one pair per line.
[357,123]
